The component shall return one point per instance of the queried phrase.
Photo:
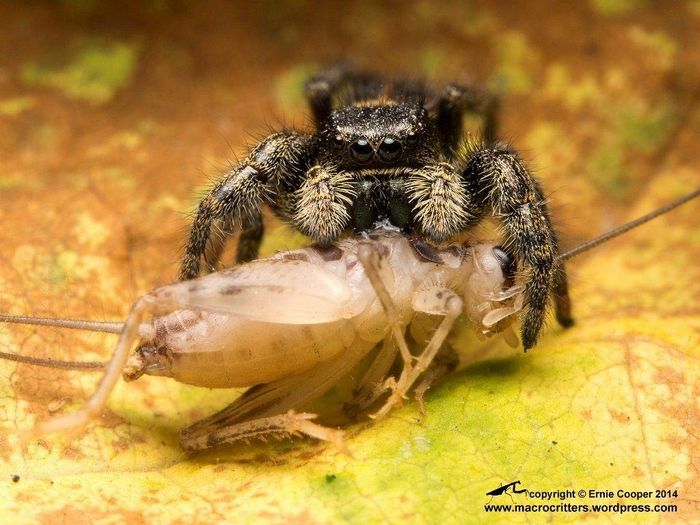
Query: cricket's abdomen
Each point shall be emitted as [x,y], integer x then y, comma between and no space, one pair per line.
[224,351]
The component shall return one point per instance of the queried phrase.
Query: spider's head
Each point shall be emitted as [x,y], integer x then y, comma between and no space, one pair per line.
[378,136]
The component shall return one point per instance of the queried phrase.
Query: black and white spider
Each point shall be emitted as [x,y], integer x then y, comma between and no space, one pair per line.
[388,150]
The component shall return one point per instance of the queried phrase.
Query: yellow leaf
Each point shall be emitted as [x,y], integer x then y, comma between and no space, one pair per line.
[610,404]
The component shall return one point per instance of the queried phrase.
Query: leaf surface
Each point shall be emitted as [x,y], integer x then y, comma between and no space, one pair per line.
[601,99]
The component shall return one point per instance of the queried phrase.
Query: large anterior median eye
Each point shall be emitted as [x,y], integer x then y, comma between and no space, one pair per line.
[362,150]
[389,149]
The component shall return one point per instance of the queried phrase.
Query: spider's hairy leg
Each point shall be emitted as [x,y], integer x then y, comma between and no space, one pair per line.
[321,88]
[454,101]
[562,301]
[235,200]
[250,239]
[322,207]
[441,203]
[501,178]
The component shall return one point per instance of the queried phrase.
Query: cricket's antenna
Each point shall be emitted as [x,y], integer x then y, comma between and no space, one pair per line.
[585,246]
[77,324]
[54,363]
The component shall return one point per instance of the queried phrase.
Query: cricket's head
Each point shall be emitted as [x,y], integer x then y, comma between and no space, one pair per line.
[490,293]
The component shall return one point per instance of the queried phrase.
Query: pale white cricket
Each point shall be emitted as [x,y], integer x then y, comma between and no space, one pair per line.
[293,325]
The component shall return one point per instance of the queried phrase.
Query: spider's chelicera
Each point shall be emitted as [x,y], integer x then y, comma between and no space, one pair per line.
[387,151]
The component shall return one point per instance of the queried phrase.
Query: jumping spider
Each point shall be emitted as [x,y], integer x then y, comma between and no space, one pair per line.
[388,151]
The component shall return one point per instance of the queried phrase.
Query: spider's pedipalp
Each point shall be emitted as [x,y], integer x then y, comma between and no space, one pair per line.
[323,202]
[441,204]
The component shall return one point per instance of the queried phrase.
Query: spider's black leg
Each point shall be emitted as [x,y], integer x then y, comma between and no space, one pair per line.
[442,205]
[237,198]
[323,86]
[454,101]
[562,301]
[323,203]
[320,88]
[500,177]
[250,239]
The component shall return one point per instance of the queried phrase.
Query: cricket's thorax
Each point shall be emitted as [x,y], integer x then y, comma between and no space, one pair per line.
[278,317]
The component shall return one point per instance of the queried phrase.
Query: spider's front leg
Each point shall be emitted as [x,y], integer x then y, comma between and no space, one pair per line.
[271,169]
[503,183]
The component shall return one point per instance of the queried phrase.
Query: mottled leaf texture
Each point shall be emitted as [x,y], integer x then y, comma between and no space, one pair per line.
[112,121]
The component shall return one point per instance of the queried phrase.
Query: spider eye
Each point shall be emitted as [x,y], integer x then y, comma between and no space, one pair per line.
[411,138]
[362,150]
[389,149]
[338,142]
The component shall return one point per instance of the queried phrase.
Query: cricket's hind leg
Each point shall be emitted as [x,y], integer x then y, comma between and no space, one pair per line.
[445,362]
[94,405]
[270,410]
[434,300]
[284,425]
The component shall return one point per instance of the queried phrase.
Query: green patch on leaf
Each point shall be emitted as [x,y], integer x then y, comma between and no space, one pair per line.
[574,93]
[282,238]
[92,72]
[15,180]
[606,168]
[432,61]
[10,107]
[617,7]
[289,87]
[515,61]
[645,130]
[61,266]
[655,43]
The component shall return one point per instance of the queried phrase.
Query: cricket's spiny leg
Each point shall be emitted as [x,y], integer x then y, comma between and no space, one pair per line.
[371,387]
[515,197]
[284,425]
[271,166]
[454,101]
[444,363]
[323,202]
[453,309]
[441,203]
